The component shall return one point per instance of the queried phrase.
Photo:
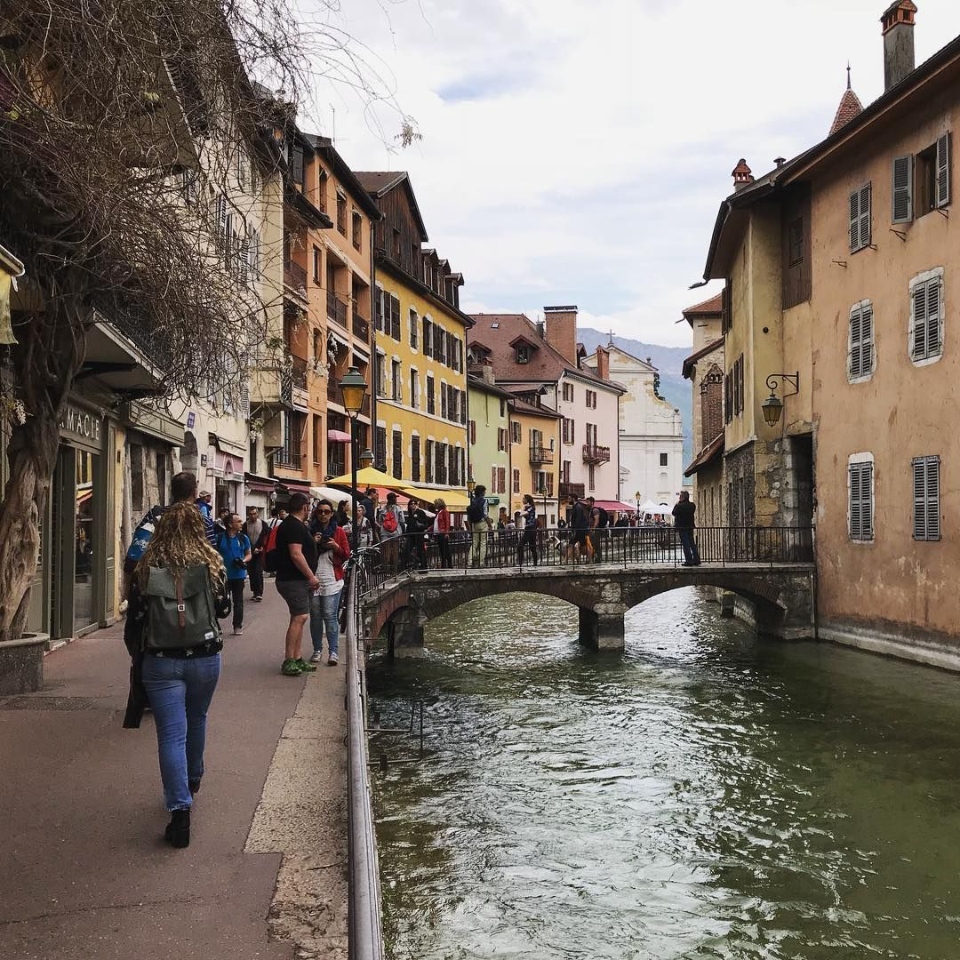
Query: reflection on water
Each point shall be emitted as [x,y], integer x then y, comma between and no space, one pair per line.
[707,794]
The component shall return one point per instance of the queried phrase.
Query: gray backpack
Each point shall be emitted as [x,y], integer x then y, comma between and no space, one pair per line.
[181,608]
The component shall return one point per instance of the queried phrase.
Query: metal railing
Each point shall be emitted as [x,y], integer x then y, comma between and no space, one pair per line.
[361,327]
[592,453]
[295,277]
[540,454]
[568,489]
[336,309]
[364,914]
[562,547]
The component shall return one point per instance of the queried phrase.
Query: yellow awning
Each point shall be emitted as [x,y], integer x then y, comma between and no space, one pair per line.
[454,499]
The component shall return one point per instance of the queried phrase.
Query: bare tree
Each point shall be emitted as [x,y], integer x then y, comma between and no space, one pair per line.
[106,108]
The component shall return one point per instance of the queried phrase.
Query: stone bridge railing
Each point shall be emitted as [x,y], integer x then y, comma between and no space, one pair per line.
[780,595]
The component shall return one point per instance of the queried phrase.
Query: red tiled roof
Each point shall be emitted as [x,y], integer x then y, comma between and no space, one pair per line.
[850,107]
[706,456]
[713,305]
[498,330]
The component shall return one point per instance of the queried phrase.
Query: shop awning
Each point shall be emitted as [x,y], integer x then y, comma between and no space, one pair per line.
[259,484]
[455,500]
[338,436]
[617,505]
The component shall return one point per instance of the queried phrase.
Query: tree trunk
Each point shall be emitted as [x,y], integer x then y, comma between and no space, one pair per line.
[32,456]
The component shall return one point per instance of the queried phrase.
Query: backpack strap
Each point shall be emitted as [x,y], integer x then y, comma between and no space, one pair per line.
[181,605]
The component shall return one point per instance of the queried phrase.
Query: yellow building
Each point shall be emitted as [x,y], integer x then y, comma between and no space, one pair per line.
[534,442]
[420,375]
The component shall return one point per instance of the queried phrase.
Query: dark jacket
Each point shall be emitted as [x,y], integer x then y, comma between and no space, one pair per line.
[683,515]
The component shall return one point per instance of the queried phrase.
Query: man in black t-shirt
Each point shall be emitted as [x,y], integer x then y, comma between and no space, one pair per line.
[683,514]
[297,577]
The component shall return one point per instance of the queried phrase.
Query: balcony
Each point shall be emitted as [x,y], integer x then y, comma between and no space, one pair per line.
[568,490]
[336,309]
[595,454]
[361,327]
[295,277]
[293,385]
[541,455]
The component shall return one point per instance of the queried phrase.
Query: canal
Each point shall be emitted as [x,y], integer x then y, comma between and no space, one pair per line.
[706,794]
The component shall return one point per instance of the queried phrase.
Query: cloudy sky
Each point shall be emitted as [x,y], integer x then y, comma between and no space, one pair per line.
[576,151]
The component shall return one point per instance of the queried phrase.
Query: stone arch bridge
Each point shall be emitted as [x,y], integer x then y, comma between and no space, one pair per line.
[780,597]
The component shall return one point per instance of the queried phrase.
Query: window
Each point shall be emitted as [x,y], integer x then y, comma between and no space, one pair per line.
[431,396]
[516,432]
[378,309]
[317,266]
[415,459]
[568,392]
[397,454]
[860,344]
[663,459]
[396,244]
[501,438]
[357,231]
[860,218]
[516,481]
[427,337]
[926,316]
[396,374]
[414,389]
[565,471]
[428,461]
[933,176]
[189,186]
[318,443]
[926,498]
[795,242]
[503,408]
[523,353]
[414,329]
[393,328]
[341,213]
[381,375]
[473,431]
[591,399]
[591,478]
[317,347]
[860,513]
[568,431]
[322,190]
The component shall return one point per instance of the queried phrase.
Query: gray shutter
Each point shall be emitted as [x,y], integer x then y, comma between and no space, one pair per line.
[903,189]
[854,221]
[865,214]
[943,170]
[866,339]
[866,500]
[856,335]
[855,501]
[919,321]
[919,498]
[933,317]
[933,498]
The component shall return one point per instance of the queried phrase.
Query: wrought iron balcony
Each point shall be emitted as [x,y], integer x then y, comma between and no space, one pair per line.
[336,309]
[572,490]
[361,327]
[595,454]
[541,454]
[293,385]
[295,277]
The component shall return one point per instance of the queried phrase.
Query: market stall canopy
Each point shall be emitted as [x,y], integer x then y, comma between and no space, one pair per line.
[368,477]
[456,500]
[328,493]
[651,507]
[617,505]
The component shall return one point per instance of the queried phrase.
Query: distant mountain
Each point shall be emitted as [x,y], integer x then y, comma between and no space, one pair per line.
[669,361]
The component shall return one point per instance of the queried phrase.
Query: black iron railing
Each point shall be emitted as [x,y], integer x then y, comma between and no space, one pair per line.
[592,453]
[540,454]
[361,327]
[612,546]
[336,309]
[295,277]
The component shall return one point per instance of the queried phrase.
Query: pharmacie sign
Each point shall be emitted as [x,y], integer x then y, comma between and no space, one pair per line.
[77,423]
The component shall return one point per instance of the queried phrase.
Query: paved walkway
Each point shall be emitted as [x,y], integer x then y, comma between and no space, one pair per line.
[84,872]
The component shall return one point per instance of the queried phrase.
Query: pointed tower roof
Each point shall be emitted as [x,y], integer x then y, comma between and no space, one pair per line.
[850,106]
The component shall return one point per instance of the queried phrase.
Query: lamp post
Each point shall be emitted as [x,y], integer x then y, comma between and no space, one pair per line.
[772,407]
[636,497]
[353,388]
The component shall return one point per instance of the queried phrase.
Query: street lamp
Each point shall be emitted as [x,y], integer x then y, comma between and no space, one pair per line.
[636,496]
[353,389]
[772,407]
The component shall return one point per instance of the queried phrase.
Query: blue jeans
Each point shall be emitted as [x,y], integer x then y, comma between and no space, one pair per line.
[690,553]
[180,691]
[324,615]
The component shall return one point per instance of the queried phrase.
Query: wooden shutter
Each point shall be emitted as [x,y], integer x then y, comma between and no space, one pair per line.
[428,461]
[865,211]
[378,310]
[855,221]
[296,165]
[395,318]
[854,363]
[943,171]
[932,347]
[861,501]
[919,321]
[866,339]
[415,460]
[243,259]
[903,189]
[926,498]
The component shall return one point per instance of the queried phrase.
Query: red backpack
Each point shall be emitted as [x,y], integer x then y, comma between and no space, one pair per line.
[270,553]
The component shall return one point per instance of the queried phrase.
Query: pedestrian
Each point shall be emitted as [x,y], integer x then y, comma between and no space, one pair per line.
[597,521]
[441,530]
[391,525]
[343,515]
[234,546]
[203,504]
[178,667]
[529,538]
[296,577]
[480,524]
[256,532]
[332,550]
[683,514]
[364,529]
[579,542]
[418,523]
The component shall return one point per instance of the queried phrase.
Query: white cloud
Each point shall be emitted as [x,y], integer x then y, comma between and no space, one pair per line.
[577,150]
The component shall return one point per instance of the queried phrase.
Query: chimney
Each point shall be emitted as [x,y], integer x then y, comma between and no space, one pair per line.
[603,363]
[742,175]
[541,330]
[561,327]
[898,53]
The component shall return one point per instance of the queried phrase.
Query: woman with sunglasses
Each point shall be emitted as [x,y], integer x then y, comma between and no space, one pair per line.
[332,550]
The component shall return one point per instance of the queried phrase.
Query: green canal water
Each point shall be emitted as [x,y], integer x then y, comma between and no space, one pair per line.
[707,794]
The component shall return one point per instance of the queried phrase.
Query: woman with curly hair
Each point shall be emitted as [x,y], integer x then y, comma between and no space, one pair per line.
[179,680]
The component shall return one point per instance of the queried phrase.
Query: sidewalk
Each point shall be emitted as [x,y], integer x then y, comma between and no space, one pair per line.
[84,871]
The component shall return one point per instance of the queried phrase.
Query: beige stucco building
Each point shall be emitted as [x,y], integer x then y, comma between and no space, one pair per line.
[839,267]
